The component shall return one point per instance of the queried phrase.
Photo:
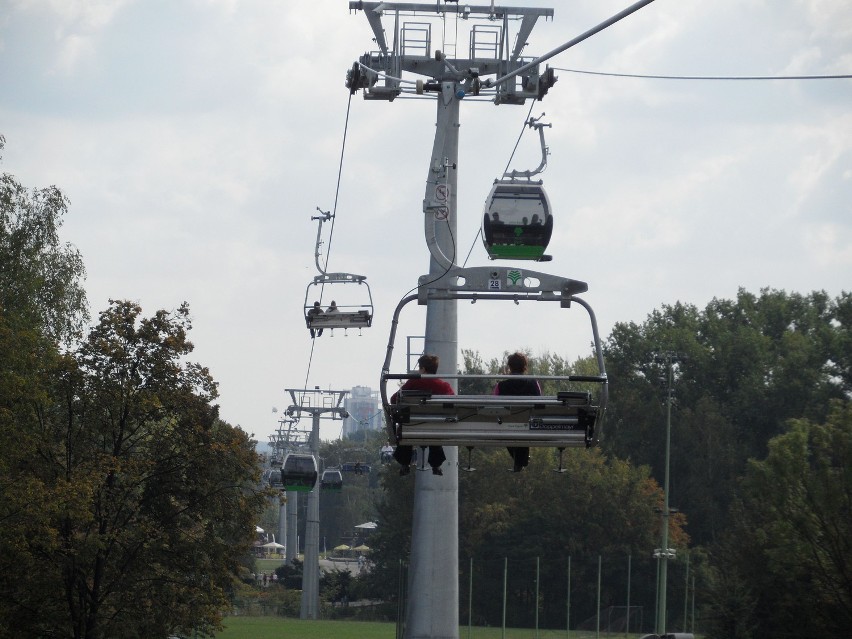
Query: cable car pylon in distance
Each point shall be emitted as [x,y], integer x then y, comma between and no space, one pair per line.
[517,222]
[571,418]
[354,310]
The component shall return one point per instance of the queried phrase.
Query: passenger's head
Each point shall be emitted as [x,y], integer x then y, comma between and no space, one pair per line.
[429,363]
[517,363]
[316,304]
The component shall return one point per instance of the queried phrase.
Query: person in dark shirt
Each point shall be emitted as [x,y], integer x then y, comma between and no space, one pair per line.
[427,364]
[313,312]
[517,364]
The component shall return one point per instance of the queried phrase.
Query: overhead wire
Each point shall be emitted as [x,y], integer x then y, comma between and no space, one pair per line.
[840,76]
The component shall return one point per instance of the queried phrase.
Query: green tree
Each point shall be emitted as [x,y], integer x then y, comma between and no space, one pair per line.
[750,365]
[598,506]
[150,497]
[42,305]
[40,277]
[792,536]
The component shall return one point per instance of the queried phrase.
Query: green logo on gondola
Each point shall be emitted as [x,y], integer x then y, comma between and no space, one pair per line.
[514,277]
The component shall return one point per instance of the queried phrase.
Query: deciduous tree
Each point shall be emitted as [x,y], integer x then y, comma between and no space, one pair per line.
[150,498]
[790,542]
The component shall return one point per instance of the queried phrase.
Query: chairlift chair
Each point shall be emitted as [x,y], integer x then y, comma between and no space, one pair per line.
[572,418]
[356,311]
[357,468]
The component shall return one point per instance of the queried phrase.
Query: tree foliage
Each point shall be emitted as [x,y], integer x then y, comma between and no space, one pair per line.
[40,277]
[750,364]
[790,541]
[147,497]
[599,506]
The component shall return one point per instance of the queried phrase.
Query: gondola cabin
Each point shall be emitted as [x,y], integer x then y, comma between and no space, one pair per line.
[272,477]
[299,472]
[332,479]
[517,222]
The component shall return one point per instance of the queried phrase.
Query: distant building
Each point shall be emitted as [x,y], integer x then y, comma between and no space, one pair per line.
[365,412]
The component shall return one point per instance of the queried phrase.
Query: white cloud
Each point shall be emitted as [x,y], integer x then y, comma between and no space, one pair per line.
[77,26]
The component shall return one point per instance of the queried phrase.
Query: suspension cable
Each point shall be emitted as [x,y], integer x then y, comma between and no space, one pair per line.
[520,135]
[840,76]
[508,164]
[333,216]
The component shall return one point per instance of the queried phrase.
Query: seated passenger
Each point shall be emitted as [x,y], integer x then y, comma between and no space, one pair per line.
[313,312]
[427,364]
[517,364]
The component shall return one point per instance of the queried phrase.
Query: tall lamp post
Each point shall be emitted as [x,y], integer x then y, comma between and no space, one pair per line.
[664,553]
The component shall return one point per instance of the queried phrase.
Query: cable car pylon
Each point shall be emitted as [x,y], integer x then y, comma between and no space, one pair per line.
[433,603]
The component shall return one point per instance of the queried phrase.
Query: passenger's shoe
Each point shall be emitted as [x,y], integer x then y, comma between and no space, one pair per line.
[437,471]
[405,470]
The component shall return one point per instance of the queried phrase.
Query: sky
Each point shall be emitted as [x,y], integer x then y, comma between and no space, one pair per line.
[195,140]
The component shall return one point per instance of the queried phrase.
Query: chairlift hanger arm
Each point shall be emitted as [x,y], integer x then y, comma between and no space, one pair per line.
[499,282]
[324,217]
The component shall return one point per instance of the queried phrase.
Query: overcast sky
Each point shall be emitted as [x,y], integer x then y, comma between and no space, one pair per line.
[196,138]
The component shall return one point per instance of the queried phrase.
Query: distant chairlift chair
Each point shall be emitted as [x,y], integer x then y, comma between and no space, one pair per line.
[336,286]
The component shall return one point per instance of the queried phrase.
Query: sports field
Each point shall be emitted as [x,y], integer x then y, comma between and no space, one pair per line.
[283,628]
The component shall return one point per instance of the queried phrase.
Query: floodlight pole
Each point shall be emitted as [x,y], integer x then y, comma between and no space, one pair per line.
[669,359]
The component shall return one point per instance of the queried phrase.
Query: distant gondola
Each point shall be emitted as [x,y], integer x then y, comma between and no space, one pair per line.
[332,479]
[299,472]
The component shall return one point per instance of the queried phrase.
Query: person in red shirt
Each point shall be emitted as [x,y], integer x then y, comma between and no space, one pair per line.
[427,364]
[517,365]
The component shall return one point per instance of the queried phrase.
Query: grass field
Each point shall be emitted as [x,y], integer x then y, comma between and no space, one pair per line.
[281,628]
[267,565]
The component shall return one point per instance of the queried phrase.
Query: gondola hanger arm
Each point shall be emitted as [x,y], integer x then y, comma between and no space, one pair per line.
[534,123]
